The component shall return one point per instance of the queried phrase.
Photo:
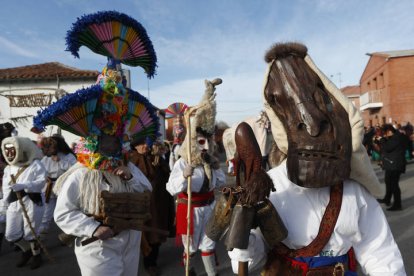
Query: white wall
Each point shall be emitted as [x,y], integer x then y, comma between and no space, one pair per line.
[23,127]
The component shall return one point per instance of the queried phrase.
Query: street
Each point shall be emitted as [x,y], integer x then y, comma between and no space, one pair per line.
[401,224]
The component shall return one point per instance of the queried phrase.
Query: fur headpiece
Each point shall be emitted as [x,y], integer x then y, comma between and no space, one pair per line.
[361,168]
[26,150]
[203,122]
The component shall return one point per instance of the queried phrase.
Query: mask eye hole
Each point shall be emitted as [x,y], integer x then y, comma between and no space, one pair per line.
[201,141]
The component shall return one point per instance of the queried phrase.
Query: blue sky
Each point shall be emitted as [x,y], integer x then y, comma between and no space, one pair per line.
[197,40]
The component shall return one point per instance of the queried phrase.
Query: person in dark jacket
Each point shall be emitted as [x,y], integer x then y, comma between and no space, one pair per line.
[147,157]
[393,147]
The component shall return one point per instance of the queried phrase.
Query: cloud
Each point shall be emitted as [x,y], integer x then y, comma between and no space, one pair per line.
[15,49]
[238,97]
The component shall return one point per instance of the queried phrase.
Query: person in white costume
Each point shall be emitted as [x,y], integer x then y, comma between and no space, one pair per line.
[104,199]
[23,158]
[57,159]
[206,176]
[111,255]
[6,130]
[326,188]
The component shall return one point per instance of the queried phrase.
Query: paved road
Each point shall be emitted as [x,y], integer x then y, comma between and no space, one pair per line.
[401,223]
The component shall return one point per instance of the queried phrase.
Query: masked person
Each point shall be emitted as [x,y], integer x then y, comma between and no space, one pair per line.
[6,130]
[57,159]
[24,176]
[103,200]
[206,176]
[178,134]
[147,157]
[323,187]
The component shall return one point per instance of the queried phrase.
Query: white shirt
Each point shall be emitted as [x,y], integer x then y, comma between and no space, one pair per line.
[34,177]
[57,168]
[177,183]
[68,215]
[361,224]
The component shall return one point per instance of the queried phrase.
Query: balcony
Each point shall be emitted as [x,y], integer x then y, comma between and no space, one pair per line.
[371,100]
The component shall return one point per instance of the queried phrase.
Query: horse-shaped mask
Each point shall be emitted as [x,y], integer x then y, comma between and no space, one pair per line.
[317,126]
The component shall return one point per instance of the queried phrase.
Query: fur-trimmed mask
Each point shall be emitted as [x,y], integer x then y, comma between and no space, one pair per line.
[317,126]
[202,130]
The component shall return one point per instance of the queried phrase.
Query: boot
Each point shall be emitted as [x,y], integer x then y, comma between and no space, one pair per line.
[37,259]
[209,262]
[24,258]
[191,271]
[1,240]
[2,231]
[26,252]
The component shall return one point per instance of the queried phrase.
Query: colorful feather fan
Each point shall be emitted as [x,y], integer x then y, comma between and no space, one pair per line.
[77,114]
[73,112]
[116,36]
[175,109]
[143,121]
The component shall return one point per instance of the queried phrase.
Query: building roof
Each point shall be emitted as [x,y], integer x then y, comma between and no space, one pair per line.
[45,71]
[351,91]
[393,54]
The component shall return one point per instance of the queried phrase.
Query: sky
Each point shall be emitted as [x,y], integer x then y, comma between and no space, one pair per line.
[227,39]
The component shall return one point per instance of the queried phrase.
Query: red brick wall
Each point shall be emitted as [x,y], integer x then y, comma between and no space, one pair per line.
[395,78]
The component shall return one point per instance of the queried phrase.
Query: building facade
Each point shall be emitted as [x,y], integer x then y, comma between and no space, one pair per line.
[25,90]
[387,88]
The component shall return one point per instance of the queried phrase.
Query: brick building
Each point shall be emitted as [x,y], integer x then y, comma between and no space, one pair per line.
[353,93]
[387,88]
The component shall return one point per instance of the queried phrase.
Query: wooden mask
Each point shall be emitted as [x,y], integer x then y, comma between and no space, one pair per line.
[317,126]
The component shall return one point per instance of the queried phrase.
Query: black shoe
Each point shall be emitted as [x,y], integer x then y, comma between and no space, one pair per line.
[24,258]
[1,240]
[36,261]
[192,272]
[394,208]
[383,201]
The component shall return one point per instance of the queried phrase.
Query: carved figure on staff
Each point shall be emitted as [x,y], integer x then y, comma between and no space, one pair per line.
[263,135]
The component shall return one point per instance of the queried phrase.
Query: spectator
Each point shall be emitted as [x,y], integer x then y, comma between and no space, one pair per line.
[393,146]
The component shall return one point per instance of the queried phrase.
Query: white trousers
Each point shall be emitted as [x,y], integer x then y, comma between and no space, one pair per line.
[199,239]
[48,214]
[117,256]
[16,223]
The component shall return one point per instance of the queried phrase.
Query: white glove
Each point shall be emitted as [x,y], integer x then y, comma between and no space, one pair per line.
[188,171]
[18,187]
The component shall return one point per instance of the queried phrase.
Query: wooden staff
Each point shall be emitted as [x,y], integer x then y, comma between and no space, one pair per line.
[187,117]
[26,216]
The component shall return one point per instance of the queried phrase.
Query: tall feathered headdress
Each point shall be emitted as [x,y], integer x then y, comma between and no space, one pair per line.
[107,108]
